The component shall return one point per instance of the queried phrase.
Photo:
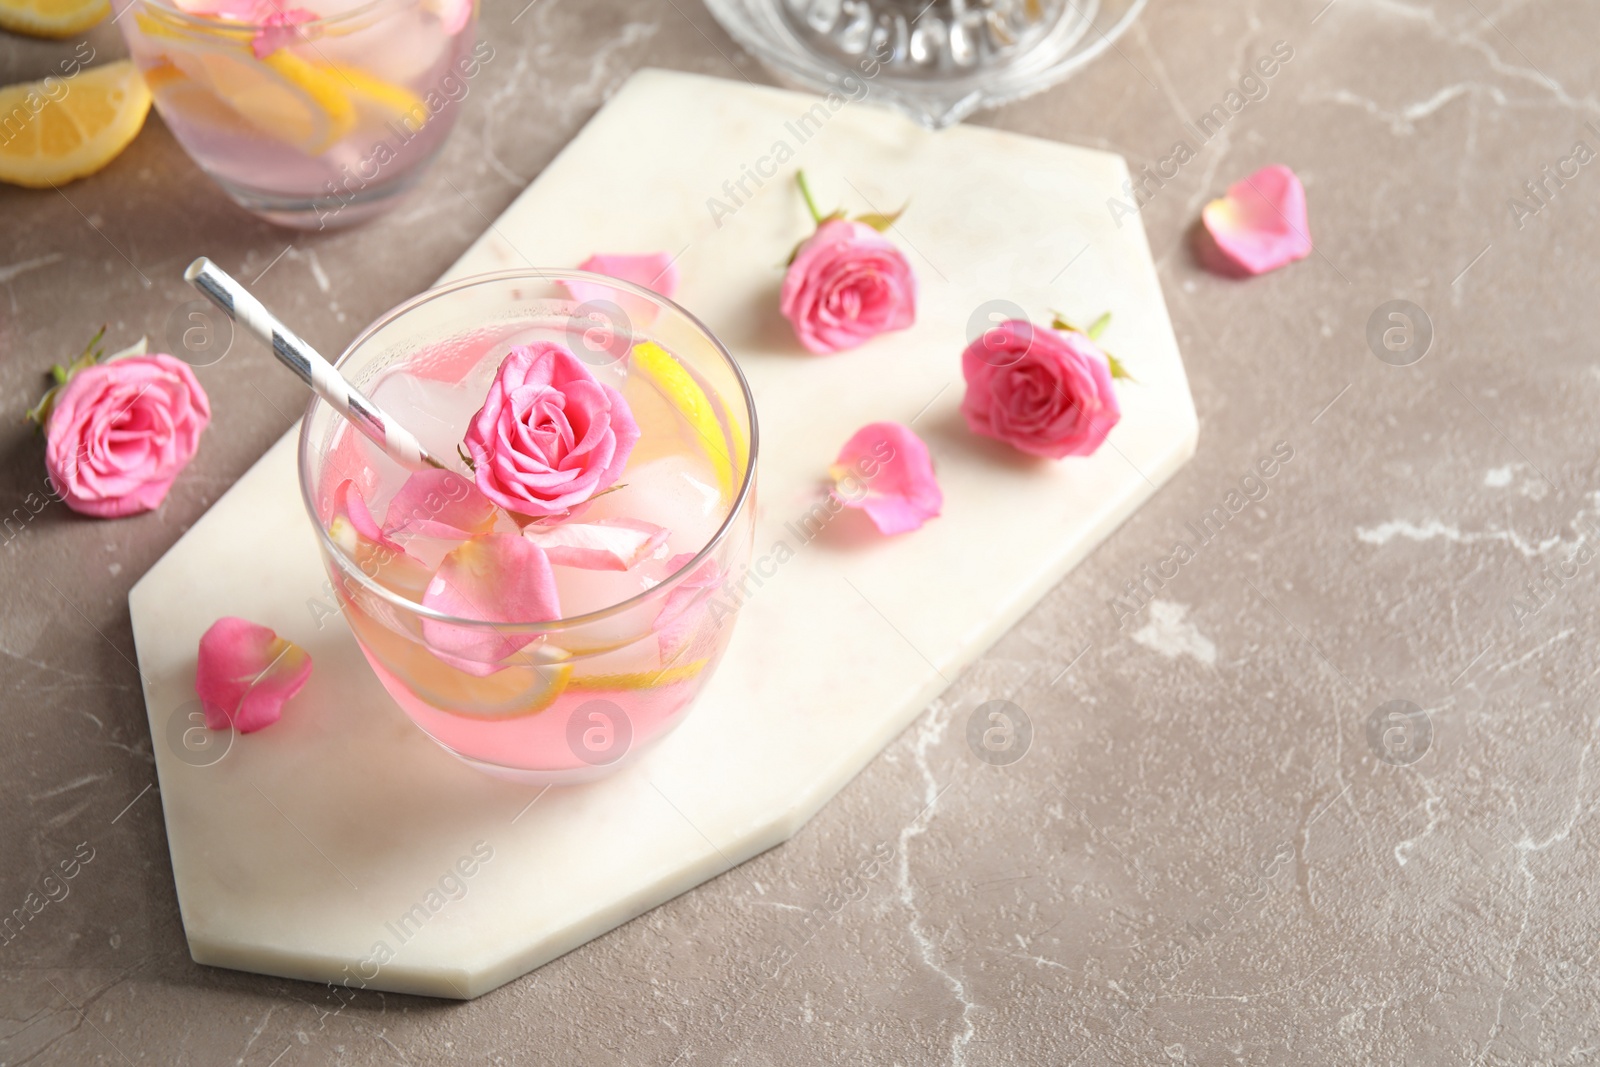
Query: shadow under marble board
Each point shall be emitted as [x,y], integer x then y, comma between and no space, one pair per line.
[328,847]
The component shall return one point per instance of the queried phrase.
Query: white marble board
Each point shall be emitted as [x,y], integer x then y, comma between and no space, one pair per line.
[299,851]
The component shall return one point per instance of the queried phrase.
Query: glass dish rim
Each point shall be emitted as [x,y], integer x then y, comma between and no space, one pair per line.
[351,568]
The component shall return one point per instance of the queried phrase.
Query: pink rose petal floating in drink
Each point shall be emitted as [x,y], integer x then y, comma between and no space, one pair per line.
[500,578]
[847,284]
[117,433]
[279,29]
[549,435]
[604,545]
[375,554]
[653,270]
[351,516]
[246,673]
[885,471]
[680,617]
[435,503]
[1041,391]
[1258,226]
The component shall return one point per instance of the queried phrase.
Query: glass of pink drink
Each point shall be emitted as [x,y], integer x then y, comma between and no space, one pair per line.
[310,113]
[571,698]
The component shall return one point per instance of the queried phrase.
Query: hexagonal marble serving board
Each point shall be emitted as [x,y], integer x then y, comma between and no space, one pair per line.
[342,845]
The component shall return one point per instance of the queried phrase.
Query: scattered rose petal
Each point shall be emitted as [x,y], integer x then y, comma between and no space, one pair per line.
[655,271]
[885,470]
[1041,391]
[678,621]
[603,545]
[436,503]
[246,673]
[499,578]
[279,30]
[549,435]
[1259,226]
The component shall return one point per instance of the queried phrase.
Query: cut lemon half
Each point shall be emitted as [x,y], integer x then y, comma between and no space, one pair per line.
[729,449]
[55,131]
[51,18]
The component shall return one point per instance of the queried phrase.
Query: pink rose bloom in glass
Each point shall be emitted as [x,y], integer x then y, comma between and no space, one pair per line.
[120,432]
[1040,391]
[847,284]
[549,435]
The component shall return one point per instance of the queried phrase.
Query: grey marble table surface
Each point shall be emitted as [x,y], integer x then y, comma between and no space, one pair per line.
[1219,848]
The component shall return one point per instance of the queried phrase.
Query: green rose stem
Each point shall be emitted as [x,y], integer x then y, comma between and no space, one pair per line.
[805,191]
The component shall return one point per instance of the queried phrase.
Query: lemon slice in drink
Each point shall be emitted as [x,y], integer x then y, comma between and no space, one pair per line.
[635,680]
[394,101]
[69,128]
[282,95]
[728,449]
[51,18]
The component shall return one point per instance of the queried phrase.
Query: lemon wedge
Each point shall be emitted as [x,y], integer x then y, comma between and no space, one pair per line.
[51,18]
[54,132]
[729,449]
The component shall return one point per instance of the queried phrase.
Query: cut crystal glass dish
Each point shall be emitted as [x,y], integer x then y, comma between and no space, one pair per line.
[936,60]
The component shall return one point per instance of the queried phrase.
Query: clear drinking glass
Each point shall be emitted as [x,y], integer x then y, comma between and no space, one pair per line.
[571,699]
[313,123]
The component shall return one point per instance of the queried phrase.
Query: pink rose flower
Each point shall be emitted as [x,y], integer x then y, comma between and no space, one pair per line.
[1040,391]
[121,431]
[246,673]
[847,284]
[549,435]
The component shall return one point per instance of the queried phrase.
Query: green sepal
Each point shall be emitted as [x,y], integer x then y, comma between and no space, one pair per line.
[39,414]
[1096,328]
[881,222]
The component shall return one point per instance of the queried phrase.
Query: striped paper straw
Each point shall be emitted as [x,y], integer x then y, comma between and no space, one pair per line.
[398,443]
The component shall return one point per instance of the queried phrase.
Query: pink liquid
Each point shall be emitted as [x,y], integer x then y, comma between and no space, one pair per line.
[573,703]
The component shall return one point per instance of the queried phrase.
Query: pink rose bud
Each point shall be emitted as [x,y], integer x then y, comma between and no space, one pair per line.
[549,435]
[121,431]
[1040,391]
[847,284]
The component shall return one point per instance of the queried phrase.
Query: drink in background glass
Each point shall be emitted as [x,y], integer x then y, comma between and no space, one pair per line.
[312,123]
[632,649]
